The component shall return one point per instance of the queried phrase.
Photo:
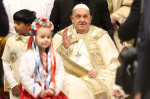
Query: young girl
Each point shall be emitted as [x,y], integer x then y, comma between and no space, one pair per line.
[41,69]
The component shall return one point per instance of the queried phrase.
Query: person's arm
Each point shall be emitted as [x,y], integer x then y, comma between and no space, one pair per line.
[9,76]
[129,29]
[4,25]
[122,13]
[26,72]
[6,64]
[54,17]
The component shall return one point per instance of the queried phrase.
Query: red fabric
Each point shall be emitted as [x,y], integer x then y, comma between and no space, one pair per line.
[20,87]
[30,41]
[26,95]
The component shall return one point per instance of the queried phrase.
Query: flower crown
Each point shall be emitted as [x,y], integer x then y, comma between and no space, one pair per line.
[37,23]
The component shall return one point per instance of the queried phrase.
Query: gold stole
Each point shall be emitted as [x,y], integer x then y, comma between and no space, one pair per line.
[98,88]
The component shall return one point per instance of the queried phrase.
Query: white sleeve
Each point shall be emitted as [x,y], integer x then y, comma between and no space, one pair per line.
[9,76]
[122,13]
[59,75]
[26,72]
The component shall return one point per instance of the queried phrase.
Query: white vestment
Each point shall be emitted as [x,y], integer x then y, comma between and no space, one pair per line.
[120,9]
[75,87]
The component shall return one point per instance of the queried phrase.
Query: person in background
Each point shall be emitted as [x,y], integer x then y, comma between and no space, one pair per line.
[3,21]
[141,81]
[119,11]
[2,45]
[41,7]
[62,10]
[15,47]
[130,28]
[3,37]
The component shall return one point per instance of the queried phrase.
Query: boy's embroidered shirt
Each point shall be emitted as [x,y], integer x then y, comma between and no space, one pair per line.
[15,47]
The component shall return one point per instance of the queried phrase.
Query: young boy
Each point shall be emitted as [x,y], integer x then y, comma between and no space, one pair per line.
[14,48]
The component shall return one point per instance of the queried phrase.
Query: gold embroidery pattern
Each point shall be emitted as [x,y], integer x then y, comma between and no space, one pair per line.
[95,53]
[97,58]
[98,88]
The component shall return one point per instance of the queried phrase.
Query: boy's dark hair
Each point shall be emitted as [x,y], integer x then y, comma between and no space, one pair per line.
[25,16]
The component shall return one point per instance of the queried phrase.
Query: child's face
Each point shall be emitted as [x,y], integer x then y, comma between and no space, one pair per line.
[43,38]
[22,28]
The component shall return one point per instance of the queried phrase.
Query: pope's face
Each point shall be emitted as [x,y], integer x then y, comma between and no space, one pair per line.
[81,19]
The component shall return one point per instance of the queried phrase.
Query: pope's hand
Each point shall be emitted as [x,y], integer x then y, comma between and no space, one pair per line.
[92,73]
[66,39]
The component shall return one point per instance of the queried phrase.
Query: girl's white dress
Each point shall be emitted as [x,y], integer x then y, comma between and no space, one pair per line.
[26,72]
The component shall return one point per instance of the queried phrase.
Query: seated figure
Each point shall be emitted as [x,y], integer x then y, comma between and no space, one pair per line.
[89,56]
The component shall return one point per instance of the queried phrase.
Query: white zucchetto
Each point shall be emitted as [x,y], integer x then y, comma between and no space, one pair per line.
[81,6]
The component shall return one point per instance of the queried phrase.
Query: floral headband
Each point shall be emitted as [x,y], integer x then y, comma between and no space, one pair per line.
[37,23]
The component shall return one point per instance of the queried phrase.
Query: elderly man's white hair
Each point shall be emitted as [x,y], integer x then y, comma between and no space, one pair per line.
[81,6]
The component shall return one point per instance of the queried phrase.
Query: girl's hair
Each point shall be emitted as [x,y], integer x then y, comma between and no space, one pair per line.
[25,16]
